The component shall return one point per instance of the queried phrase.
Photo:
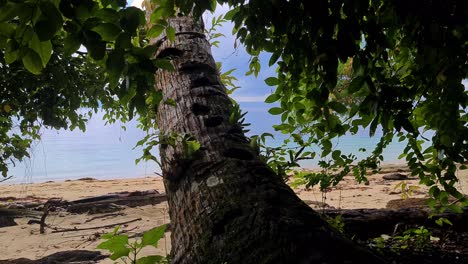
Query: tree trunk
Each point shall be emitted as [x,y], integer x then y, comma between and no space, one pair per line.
[227,206]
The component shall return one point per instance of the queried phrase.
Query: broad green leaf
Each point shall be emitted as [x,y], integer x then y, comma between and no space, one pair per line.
[42,48]
[274,57]
[108,31]
[161,13]
[164,64]
[32,62]
[115,65]
[119,252]
[10,10]
[114,243]
[50,21]
[12,51]
[230,14]
[150,259]
[123,41]
[131,19]
[271,81]
[356,84]
[170,32]
[338,107]
[155,31]
[7,29]
[71,44]
[107,15]
[276,110]
[272,98]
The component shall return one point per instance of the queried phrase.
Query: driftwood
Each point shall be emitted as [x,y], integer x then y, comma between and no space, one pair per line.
[8,215]
[94,227]
[72,256]
[98,204]
[368,223]
[6,220]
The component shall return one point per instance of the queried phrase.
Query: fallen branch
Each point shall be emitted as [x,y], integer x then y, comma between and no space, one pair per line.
[103,216]
[100,204]
[95,227]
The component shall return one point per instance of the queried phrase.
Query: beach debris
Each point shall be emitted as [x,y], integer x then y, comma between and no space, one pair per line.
[104,216]
[317,204]
[7,220]
[71,256]
[113,202]
[395,176]
[48,206]
[61,230]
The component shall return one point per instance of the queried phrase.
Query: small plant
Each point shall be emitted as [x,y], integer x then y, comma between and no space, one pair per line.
[406,189]
[417,238]
[336,222]
[121,248]
[414,238]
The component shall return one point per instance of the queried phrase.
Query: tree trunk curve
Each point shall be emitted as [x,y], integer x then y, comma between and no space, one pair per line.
[225,204]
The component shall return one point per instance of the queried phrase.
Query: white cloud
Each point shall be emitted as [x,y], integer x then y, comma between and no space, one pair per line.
[250,99]
[137,3]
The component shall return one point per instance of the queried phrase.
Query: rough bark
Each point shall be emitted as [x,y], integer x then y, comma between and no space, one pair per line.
[225,204]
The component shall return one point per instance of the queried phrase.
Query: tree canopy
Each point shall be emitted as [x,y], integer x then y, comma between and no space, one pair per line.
[406,64]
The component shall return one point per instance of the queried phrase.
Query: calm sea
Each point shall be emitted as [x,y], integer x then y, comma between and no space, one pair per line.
[106,152]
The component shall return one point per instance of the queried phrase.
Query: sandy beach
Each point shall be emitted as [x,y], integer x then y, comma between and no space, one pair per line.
[24,240]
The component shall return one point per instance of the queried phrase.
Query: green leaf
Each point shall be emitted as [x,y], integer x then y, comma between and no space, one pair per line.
[10,10]
[119,252]
[338,107]
[114,242]
[276,110]
[230,14]
[161,13]
[272,98]
[50,21]
[108,31]
[164,64]
[107,15]
[32,62]
[7,30]
[115,65]
[271,81]
[131,19]
[123,41]
[97,50]
[12,51]
[42,48]
[150,259]
[71,44]
[155,31]
[274,57]
[170,32]
[152,236]
[356,84]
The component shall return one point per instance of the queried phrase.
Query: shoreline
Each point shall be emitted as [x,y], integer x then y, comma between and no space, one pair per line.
[27,180]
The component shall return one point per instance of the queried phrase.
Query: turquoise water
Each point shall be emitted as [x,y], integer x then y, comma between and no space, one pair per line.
[106,152]
[102,152]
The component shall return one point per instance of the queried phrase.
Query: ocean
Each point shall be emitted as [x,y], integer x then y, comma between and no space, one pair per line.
[107,151]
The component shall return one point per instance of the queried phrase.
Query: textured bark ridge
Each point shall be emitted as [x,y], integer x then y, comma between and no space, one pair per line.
[226,206]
